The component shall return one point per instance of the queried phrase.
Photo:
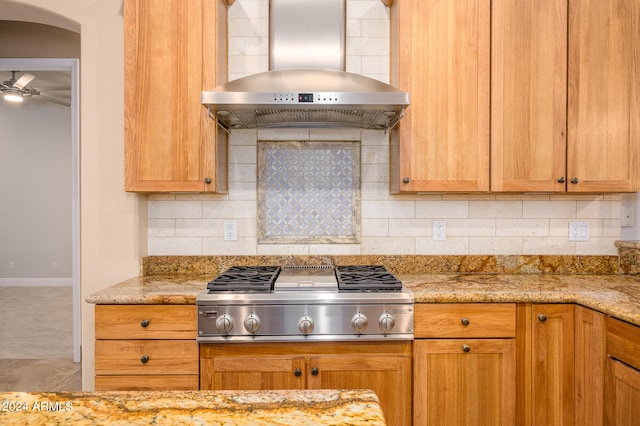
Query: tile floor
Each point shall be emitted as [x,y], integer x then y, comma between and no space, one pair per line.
[37,356]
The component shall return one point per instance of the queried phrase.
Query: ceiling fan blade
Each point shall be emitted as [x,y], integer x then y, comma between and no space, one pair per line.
[54,100]
[53,88]
[53,94]
[24,80]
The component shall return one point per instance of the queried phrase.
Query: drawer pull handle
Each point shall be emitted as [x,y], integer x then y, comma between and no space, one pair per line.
[314,371]
[465,321]
[144,359]
[144,323]
[542,317]
[466,348]
[297,372]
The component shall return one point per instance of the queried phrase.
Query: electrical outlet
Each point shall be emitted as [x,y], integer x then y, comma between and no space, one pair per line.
[578,231]
[439,230]
[627,218]
[54,264]
[230,230]
[12,265]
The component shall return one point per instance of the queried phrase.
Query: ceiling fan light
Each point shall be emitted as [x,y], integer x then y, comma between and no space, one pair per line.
[13,96]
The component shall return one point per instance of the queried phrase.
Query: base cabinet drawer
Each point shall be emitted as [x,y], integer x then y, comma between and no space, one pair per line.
[140,383]
[146,322]
[464,320]
[146,357]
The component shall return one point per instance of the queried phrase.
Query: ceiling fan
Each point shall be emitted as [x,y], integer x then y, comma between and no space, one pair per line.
[15,90]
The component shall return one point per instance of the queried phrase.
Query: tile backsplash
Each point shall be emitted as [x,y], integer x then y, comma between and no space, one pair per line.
[497,224]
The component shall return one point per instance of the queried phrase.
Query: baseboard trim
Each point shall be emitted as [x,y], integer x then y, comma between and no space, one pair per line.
[36,282]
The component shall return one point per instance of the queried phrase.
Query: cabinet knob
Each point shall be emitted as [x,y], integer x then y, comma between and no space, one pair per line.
[575,180]
[466,348]
[207,180]
[406,179]
[465,321]
[144,359]
[144,323]
[314,371]
[297,372]
[542,317]
[561,179]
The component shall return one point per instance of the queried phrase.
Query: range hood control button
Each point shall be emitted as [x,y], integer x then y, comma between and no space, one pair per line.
[359,323]
[387,322]
[252,323]
[224,323]
[305,325]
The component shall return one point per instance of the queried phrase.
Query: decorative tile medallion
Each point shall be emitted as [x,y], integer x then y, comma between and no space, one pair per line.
[308,192]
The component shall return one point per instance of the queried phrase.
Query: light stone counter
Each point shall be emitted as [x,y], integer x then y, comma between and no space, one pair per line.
[238,408]
[616,295]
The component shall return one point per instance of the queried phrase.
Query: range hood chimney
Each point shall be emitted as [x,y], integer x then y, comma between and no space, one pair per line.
[307,85]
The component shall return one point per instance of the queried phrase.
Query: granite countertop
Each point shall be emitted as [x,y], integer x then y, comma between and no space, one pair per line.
[616,295]
[255,408]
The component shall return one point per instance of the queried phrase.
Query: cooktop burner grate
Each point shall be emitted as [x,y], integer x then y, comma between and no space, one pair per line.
[366,278]
[245,278]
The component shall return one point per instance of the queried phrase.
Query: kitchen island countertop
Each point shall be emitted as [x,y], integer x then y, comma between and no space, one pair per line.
[615,295]
[255,408]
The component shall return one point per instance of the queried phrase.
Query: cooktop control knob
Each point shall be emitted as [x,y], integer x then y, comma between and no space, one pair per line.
[387,322]
[252,323]
[305,325]
[224,323]
[359,323]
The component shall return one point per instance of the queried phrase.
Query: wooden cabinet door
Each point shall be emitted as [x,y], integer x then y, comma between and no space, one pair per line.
[546,348]
[252,372]
[622,394]
[442,144]
[590,359]
[604,95]
[528,95]
[389,376]
[171,55]
[456,386]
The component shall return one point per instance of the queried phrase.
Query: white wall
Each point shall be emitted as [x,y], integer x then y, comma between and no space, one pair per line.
[35,186]
[110,232]
[476,224]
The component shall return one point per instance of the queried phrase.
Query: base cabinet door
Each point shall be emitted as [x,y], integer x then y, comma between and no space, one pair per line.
[546,364]
[622,405]
[383,367]
[464,382]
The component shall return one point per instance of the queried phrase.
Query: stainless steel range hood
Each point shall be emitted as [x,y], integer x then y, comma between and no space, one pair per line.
[307,85]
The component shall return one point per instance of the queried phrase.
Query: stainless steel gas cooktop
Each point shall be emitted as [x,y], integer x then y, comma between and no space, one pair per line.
[273,303]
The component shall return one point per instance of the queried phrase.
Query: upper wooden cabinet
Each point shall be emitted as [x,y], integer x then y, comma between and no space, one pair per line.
[442,144]
[528,95]
[174,49]
[603,95]
[564,87]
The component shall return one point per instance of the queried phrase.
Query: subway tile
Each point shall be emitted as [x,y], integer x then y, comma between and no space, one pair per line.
[470,228]
[335,135]
[375,137]
[173,209]
[198,227]
[217,246]
[522,227]
[495,245]
[547,245]
[597,246]
[442,209]
[246,191]
[161,227]
[283,134]
[375,154]
[242,154]
[174,246]
[375,173]
[241,137]
[548,209]
[283,249]
[384,245]
[455,245]
[243,173]
[495,209]
[375,227]
[375,28]
[388,209]
[599,209]
[335,249]
[409,227]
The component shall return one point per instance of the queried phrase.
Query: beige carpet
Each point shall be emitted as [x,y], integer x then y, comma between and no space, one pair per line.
[36,322]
